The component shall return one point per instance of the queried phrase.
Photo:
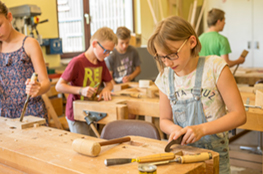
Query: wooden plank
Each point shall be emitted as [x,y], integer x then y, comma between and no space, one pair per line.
[48,150]
[152,12]
[9,170]
[192,21]
[27,122]
[52,111]
[144,107]
[57,104]
[200,16]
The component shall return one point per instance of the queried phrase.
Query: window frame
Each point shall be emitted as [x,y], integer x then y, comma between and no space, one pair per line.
[87,29]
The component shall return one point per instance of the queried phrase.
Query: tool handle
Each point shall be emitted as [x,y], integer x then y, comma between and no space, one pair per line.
[156,157]
[195,157]
[115,141]
[34,77]
[135,95]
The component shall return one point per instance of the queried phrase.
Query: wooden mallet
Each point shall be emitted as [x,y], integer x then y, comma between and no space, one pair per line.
[91,148]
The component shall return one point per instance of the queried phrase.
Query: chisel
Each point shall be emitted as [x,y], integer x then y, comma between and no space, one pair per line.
[199,157]
[33,78]
[144,159]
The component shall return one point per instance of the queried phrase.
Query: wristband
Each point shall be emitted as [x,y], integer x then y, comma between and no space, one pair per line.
[80,91]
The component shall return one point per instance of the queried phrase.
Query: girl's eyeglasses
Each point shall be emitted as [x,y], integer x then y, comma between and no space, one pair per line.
[172,56]
[105,51]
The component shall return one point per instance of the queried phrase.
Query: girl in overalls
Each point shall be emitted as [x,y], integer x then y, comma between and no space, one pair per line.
[20,57]
[194,90]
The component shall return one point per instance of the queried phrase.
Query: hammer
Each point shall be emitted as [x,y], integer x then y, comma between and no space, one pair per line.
[91,148]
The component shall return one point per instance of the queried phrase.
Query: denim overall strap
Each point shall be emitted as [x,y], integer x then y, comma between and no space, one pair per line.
[198,78]
[172,96]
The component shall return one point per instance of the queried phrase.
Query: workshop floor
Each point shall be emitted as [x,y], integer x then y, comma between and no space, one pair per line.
[244,161]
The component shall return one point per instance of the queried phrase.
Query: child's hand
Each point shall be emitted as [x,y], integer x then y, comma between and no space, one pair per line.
[175,135]
[88,91]
[106,94]
[192,134]
[126,79]
[32,87]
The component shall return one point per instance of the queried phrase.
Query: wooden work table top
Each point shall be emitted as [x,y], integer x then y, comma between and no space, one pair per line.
[48,150]
[254,115]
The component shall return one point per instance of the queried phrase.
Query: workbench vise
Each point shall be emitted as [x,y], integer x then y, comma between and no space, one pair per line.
[94,117]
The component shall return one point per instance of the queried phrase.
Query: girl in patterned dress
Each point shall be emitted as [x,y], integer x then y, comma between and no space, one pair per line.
[20,57]
[194,90]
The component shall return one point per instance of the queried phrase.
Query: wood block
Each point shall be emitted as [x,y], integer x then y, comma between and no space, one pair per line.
[145,83]
[259,98]
[150,92]
[119,87]
[259,87]
[27,122]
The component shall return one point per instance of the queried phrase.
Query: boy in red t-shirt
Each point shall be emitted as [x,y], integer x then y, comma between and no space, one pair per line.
[84,72]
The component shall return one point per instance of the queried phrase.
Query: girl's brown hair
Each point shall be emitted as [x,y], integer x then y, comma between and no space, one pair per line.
[3,9]
[173,28]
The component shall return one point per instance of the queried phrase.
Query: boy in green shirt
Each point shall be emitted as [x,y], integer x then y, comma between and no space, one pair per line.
[214,43]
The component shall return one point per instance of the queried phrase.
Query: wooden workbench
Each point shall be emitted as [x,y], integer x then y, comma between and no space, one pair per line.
[254,115]
[248,75]
[150,107]
[120,106]
[48,150]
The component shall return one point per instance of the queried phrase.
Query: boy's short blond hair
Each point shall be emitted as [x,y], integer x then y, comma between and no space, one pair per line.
[173,28]
[214,15]
[123,33]
[104,34]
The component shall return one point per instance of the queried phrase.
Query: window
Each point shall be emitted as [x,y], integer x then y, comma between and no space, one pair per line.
[79,19]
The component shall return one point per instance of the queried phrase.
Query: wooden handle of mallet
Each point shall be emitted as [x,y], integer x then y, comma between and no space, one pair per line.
[115,141]
[91,148]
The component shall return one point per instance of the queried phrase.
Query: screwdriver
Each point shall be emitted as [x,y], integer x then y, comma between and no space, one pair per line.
[33,78]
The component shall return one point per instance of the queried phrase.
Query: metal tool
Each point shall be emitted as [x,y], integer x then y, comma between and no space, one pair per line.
[96,85]
[33,78]
[94,117]
[247,102]
[188,158]
[177,141]
[144,159]
[252,106]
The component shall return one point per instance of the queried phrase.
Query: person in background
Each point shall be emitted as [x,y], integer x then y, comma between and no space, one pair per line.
[214,43]
[20,57]
[124,61]
[193,90]
[86,71]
